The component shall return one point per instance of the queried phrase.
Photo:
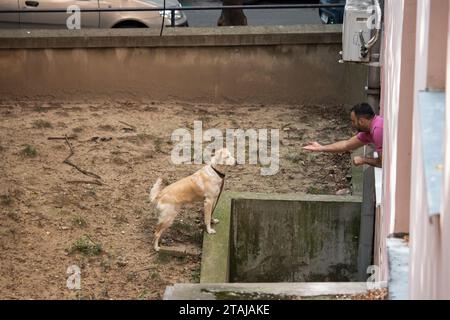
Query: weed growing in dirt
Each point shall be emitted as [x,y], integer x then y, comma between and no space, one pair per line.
[294,158]
[317,190]
[79,221]
[158,144]
[195,275]
[164,258]
[153,274]
[5,200]
[86,246]
[42,124]
[143,295]
[28,151]
[106,265]
[92,191]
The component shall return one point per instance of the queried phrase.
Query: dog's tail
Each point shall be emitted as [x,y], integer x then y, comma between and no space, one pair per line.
[155,190]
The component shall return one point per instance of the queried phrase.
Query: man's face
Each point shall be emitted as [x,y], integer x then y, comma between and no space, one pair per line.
[358,124]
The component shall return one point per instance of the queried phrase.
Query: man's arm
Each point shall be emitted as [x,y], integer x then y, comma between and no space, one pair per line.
[374,162]
[341,146]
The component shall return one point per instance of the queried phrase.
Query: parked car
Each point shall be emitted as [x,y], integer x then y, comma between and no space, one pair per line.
[126,19]
[332,15]
[250,2]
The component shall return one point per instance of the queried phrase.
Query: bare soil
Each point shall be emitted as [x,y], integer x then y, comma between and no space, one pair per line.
[54,216]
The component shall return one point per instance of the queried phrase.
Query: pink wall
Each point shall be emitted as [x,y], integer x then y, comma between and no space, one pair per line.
[392,30]
[415,58]
[397,97]
[436,47]
[404,120]
[428,279]
[398,88]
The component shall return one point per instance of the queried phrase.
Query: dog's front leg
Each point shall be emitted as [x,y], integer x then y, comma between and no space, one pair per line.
[208,213]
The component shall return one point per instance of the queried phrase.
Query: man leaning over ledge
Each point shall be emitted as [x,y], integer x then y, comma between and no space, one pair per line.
[370,130]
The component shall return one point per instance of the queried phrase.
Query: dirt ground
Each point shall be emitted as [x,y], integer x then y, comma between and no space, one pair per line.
[52,219]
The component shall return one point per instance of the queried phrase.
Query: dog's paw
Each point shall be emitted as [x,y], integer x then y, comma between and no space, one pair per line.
[156,248]
[211,231]
[215,221]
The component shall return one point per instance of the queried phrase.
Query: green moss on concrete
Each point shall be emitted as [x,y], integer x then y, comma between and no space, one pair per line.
[234,295]
[217,262]
[216,247]
[288,240]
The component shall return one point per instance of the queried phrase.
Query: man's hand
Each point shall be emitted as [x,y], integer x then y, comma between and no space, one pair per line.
[359,161]
[341,146]
[313,146]
[374,162]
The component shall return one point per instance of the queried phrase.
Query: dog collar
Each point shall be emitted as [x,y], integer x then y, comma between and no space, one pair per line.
[220,174]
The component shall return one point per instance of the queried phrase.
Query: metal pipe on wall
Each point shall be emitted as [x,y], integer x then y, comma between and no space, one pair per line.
[373,88]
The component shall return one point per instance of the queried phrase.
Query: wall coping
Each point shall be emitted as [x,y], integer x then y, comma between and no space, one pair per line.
[172,37]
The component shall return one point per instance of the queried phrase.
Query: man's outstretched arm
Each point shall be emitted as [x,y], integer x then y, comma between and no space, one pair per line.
[341,146]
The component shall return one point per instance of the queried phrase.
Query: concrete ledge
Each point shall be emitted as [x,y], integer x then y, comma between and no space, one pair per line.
[178,37]
[398,257]
[216,248]
[274,291]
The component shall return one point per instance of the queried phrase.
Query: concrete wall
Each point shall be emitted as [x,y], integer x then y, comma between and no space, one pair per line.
[294,241]
[363,186]
[293,65]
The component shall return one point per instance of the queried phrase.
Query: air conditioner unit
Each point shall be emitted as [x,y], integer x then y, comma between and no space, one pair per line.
[356,34]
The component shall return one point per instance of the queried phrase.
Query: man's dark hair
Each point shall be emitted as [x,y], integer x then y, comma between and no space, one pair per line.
[363,110]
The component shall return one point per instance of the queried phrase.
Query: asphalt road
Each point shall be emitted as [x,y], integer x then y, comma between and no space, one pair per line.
[254,17]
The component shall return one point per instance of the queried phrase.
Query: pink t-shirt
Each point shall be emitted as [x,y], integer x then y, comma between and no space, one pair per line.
[375,136]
